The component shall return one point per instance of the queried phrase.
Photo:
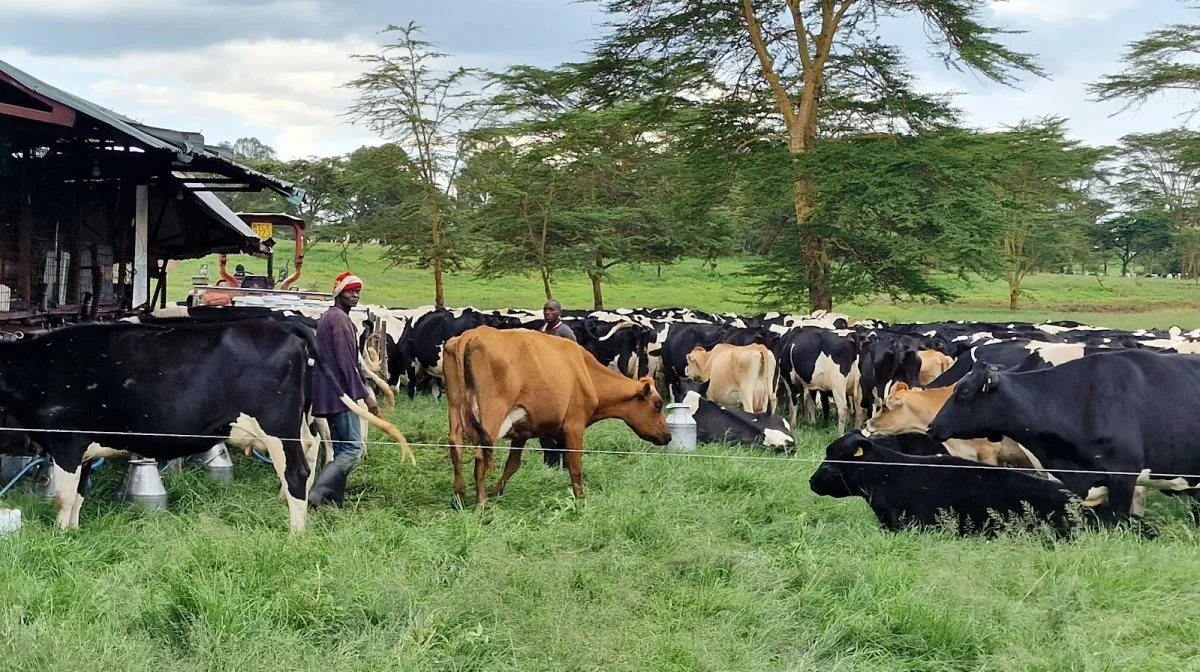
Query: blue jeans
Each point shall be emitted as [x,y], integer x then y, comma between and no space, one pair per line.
[345,429]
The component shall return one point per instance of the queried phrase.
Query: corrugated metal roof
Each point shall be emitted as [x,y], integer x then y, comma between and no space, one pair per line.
[187,145]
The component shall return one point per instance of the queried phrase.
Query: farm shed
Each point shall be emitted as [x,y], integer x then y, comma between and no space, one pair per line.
[93,204]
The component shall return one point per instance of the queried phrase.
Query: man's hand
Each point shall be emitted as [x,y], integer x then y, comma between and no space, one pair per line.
[373,406]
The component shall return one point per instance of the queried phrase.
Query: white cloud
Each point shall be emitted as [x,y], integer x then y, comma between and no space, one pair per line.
[177,9]
[286,92]
[1065,96]
[1059,10]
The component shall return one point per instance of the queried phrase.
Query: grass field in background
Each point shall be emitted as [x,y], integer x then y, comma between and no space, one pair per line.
[1126,303]
[723,561]
[673,563]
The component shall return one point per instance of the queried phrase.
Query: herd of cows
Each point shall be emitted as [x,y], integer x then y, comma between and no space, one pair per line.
[970,420]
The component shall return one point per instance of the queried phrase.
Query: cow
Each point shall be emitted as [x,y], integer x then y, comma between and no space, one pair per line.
[1114,414]
[521,385]
[910,410]
[163,391]
[721,424]
[889,358]
[738,375]
[429,334]
[915,491]
[814,359]
[681,341]
[933,364]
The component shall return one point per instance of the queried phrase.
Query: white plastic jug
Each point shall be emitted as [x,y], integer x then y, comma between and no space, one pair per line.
[10,521]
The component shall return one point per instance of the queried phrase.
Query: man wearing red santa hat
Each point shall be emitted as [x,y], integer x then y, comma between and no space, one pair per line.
[339,348]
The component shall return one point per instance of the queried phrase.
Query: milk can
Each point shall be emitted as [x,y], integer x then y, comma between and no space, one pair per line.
[682,427]
[216,462]
[143,485]
[11,465]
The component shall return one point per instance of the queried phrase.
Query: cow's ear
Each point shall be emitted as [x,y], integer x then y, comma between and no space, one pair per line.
[858,452]
[988,382]
[900,387]
[644,393]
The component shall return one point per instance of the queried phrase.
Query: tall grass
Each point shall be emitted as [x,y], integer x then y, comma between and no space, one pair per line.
[671,563]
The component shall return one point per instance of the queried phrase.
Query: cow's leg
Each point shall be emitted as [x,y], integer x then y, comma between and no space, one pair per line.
[483,465]
[289,463]
[312,448]
[85,471]
[66,491]
[1120,499]
[573,442]
[510,466]
[841,401]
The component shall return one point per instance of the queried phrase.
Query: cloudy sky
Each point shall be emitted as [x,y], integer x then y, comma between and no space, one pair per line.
[274,68]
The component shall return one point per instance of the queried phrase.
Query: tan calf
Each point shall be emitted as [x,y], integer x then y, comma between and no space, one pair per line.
[737,375]
[933,364]
[909,410]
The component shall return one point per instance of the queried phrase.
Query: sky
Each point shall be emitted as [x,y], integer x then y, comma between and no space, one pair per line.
[276,69]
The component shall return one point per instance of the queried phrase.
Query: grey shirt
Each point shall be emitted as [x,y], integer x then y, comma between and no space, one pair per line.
[561,330]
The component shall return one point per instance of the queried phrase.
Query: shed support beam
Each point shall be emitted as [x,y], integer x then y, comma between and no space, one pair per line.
[141,250]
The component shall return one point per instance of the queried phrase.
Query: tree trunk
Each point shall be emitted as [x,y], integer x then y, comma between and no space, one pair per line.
[439,289]
[1014,289]
[597,295]
[439,292]
[546,283]
[1124,268]
[812,251]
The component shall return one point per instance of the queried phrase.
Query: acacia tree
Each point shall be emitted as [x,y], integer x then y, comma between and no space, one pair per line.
[404,97]
[810,57]
[1132,235]
[573,180]
[1165,60]
[1038,188]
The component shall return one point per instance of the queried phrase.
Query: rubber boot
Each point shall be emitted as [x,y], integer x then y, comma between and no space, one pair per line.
[330,485]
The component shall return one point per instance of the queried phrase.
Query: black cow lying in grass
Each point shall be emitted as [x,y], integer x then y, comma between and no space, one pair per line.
[921,490]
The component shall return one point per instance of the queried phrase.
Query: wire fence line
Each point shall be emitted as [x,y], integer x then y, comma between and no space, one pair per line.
[792,459]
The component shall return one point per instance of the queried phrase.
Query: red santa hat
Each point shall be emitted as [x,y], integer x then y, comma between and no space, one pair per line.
[346,281]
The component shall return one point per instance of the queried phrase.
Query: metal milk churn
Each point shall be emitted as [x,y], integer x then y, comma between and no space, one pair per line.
[682,427]
[143,485]
[217,462]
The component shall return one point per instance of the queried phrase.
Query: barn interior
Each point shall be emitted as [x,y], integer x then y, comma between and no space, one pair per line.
[94,204]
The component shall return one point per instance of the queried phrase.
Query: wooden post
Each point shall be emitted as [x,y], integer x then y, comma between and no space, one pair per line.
[25,233]
[141,244]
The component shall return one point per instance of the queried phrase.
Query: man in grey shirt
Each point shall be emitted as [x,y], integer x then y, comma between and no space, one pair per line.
[552,313]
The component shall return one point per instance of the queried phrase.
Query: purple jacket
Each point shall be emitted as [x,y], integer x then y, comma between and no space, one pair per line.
[339,350]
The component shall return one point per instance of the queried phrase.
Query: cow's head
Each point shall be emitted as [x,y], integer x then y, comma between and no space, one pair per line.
[898,416]
[963,415]
[697,363]
[643,412]
[836,476]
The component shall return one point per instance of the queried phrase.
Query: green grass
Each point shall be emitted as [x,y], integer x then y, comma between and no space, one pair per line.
[1125,303]
[673,563]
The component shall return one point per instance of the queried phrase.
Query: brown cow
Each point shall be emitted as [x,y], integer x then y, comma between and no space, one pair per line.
[909,410]
[524,384]
[737,375]
[933,364]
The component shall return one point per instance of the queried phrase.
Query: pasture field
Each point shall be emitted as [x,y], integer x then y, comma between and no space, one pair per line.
[1111,301]
[721,561]
[673,563]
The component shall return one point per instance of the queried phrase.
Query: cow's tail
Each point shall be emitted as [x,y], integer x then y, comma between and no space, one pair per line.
[310,340]
[472,405]
[379,423]
[618,327]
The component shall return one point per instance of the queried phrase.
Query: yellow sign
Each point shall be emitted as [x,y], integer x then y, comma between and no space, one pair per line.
[263,229]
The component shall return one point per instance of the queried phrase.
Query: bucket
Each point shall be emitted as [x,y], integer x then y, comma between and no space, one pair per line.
[10,521]
[143,485]
[11,465]
[682,427]
[216,462]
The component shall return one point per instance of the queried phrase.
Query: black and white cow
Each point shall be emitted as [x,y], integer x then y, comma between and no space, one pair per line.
[905,490]
[814,359]
[722,424]
[428,335]
[123,385]
[1125,414]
